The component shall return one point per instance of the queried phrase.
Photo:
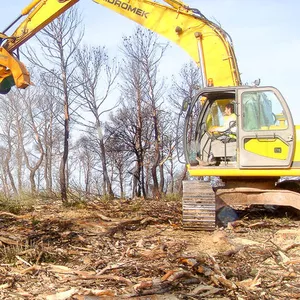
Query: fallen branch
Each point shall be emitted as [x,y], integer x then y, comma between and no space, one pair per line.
[93,292]
[4,213]
[291,247]
[204,290]
[8,241]
[107,219]
[99,277]
[151,287]
[62,295]
[111,267]
[165,284]
[125,224]
[23,261]
[31,269]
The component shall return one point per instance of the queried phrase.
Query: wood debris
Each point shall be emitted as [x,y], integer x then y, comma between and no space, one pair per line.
[112,250]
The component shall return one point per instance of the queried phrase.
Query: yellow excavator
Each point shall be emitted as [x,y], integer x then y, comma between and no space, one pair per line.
[250,147]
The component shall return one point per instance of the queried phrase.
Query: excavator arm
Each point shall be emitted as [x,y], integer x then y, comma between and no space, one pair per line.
[37,15]
[206,42]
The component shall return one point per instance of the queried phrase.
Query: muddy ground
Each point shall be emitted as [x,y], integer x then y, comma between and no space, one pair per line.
[138,249]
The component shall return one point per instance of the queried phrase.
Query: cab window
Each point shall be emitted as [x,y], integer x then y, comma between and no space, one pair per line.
[216,113]
[262,110]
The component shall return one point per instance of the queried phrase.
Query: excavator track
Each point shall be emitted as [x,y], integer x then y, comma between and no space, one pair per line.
[198,206]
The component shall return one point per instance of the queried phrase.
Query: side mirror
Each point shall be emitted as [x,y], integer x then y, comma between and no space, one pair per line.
[185,104]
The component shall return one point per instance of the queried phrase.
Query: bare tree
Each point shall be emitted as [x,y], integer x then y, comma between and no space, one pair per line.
[8,117]
[123,134]
[52,130]
[143,53]
[168,162]
[35,124]
[86,161]
[119,154]
[131,112]
[3,172]
[59,42]
[96,78]
[184,87]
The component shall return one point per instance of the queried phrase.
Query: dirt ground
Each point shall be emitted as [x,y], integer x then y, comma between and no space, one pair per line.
[119,249]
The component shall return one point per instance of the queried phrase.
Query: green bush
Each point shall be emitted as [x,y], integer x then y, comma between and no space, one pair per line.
[172,197]
[18,203]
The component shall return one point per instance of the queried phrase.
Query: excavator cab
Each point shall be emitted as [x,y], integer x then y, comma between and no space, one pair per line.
[249,154]
[260,134]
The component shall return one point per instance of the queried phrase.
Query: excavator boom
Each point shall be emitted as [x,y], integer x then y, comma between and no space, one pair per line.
[207,43]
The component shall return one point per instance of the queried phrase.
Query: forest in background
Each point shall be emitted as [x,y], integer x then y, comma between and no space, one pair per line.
[91,123]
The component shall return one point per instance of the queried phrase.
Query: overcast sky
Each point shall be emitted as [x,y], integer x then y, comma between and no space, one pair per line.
[265,35]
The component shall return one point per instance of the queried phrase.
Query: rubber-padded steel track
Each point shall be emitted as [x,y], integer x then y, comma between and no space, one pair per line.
[198,206]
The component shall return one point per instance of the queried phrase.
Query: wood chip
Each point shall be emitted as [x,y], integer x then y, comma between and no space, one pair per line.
[62,295]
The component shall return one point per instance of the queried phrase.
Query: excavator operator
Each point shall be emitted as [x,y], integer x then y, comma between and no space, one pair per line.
[229,120]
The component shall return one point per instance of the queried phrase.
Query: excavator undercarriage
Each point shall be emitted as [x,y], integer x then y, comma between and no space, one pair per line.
[202,202]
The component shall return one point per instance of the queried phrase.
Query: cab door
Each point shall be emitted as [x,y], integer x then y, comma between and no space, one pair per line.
[266,133]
